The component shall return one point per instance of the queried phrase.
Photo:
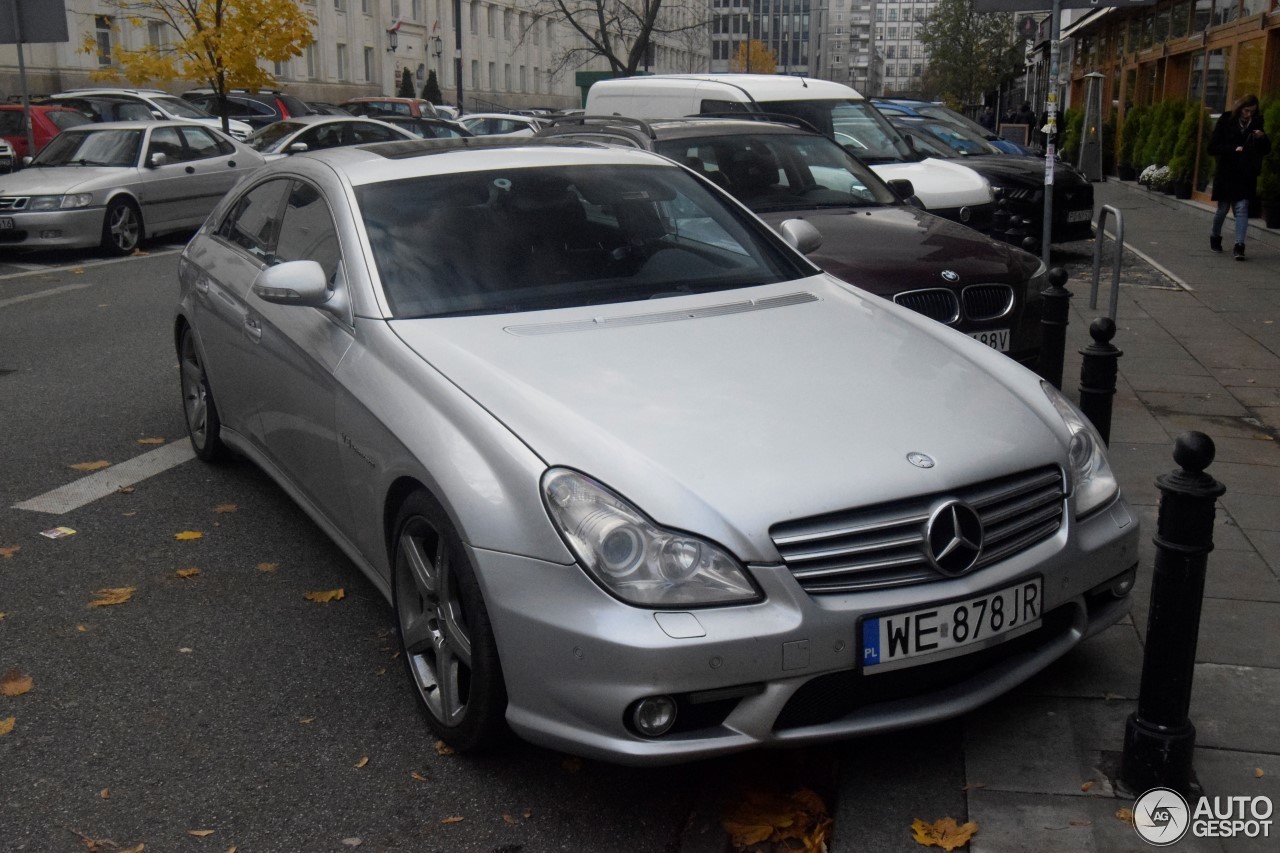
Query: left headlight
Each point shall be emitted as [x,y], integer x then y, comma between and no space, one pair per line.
[632,557]
[60,202]
[1091,477]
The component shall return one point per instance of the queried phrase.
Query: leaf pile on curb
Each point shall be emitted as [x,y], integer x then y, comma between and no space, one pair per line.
[944,833]
[779,821]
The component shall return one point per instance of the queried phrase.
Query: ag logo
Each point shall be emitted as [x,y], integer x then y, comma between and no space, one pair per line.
[1161,817]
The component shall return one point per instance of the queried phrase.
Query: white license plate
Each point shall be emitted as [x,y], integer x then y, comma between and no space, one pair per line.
[997,339]
[1080,215]
[898,640]
[6,223]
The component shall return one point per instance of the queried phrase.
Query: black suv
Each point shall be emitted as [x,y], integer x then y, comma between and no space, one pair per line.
[871,237]
[258,109]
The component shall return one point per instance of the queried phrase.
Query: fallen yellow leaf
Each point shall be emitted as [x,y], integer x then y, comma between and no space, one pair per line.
[151,441]
[509,819]
[417,777]
[105,793]
[200,833]
[779,818]
[76,270]
[81,628]
[187,573]
[268,567]
[90,466]
[362,762]
[306,720]
[443,748]
[1257,771]
[125,490]
[1125,815]
[1087,785]
[8,553]
[113,595]
[225,508]
[973,786]
[6,725]
[137,849]
[944,833]
[2,615]
[527,813]
[325,596]
[453,820]
[188,534]
[231,850]
[14,683]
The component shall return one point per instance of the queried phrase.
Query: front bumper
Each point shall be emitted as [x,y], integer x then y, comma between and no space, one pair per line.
[779,672]
[976,216]
[46,229]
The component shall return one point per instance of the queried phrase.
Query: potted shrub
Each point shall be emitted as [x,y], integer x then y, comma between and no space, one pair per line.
[1130,130]
[1269,178]
[1183,158]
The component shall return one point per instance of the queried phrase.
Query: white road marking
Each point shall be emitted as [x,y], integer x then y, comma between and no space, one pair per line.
[53,291]
[108,480]
[29,269]
[1159,267]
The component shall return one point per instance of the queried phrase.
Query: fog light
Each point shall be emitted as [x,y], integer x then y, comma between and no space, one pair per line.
[654,716]
[1124,584]
[50,235]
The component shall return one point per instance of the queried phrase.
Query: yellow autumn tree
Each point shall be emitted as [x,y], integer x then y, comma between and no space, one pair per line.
[217,43]
[753,57]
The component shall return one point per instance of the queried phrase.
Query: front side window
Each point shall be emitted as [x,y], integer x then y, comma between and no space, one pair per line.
[854,124]
[559,237]
[166,141]
[253,223]
[307,232]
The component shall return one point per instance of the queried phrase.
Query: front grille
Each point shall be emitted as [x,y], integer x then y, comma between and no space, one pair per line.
[936,303]
[987,301]
[885,545]
[13,202]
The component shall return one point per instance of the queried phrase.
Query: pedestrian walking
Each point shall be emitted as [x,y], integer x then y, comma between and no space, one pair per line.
[988,119]
[1239,142]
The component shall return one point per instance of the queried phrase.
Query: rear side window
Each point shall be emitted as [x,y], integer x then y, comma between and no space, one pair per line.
[62,119]
[204,143]
[710,105]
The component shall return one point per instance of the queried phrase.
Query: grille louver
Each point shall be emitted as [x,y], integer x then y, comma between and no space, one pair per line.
[935,303]
[987,301]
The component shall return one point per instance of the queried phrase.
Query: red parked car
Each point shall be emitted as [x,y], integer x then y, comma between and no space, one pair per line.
[46,122]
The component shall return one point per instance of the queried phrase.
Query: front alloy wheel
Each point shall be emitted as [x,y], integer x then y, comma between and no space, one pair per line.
[203,424]
[121,228]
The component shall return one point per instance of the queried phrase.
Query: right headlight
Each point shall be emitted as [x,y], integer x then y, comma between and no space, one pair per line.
[632,557]
[1092,480]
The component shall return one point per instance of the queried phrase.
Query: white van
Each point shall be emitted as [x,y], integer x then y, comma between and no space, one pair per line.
[946,188]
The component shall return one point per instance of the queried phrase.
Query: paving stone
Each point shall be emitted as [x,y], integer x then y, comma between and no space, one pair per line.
[1107,665]
[1268,544]
[1247,479]
[1227,707]
[1257,396]
[1237,632]
[1182,365]
[1211,425]
[1221,403]
[1164,380]
[1254,512]
[1232,376]
[1240,575]
[1261,449]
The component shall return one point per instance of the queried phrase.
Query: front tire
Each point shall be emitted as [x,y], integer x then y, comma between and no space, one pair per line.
[121,227]
[204,427]
[445,634]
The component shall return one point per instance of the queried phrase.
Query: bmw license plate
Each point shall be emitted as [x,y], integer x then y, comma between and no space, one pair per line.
[997,339]
[6,223]
[1080,215]
[897,640]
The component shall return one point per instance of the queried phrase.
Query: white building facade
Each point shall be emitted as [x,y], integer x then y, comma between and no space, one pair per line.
[508,61]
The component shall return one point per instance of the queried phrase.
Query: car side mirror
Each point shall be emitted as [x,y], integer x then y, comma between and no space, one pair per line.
[27,160]
[905,191]
[800,235]
[157,160]
[298,148]
[300,283]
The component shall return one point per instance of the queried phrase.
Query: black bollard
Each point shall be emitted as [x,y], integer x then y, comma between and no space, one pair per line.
[1031,244]
[1098,372]
[1053,324]
[1017,231]
[1000,220]
[1159,738]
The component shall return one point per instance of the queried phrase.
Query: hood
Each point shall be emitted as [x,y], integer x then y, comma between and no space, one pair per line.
[59,180]
[887,250]
[939,183]
[1012,170]
[729,412]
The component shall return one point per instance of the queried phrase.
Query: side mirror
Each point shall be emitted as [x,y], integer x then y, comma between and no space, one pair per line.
[298,148]
[905,191]
[27,160]
[800,235]
[157,160]
[300,283]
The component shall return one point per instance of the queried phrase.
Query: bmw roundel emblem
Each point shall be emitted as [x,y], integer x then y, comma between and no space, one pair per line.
[965,214]
[920,460]
[951,276]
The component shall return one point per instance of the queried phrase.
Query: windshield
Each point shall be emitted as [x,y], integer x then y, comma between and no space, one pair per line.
[854,124]
[958,139]
[775,171]
[266,139]
[950,116]
[91,148]
[559,237]
[180,108]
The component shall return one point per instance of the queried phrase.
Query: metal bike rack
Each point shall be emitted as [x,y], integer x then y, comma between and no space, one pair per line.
[1099,234]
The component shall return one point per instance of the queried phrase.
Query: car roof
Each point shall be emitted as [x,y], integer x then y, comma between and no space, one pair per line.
[134,125]
[515,116]
[383,161]
[761,87]
[680,128]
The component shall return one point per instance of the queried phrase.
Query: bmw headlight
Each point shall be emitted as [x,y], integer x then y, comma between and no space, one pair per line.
[634,558]
[59,202]
[1092,480]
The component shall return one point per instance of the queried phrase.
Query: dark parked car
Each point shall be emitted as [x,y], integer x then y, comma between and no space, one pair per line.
[1018,180]
[870,237]
[891,107]
[257,109]
[46,123]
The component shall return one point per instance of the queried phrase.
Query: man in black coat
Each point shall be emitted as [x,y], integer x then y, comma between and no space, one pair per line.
[1239,142]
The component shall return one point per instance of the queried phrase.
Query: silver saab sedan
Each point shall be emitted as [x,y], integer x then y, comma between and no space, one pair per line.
[639,481]
[113,184]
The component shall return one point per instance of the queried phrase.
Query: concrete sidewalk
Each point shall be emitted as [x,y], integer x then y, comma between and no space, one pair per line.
[1201,339]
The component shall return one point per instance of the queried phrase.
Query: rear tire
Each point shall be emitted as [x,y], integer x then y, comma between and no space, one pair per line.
[445,634]
[204,427]
[121,227]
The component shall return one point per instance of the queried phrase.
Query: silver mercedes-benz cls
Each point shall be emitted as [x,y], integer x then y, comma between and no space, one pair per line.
[638,480]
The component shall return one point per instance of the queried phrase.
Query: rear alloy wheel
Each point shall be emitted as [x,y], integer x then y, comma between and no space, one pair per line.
[203,424]
[444,629]
[121,227]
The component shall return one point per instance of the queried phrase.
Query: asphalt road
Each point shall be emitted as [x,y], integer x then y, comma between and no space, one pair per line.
[226,701]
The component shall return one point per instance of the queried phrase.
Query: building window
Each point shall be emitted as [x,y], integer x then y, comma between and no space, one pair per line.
[340,5]
[475,74]
[342,62]
[395,10]
[506,24]
[102,25]
[313,69]
[417,10]
[278,69]
[155,33]
[493,21]
[368,63]
[524,80]
[493,76]
[475,18]
[364,6]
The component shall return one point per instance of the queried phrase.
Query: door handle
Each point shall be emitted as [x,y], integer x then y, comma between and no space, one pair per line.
[202,284]
[253,330]
[231,163]
[191,170]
